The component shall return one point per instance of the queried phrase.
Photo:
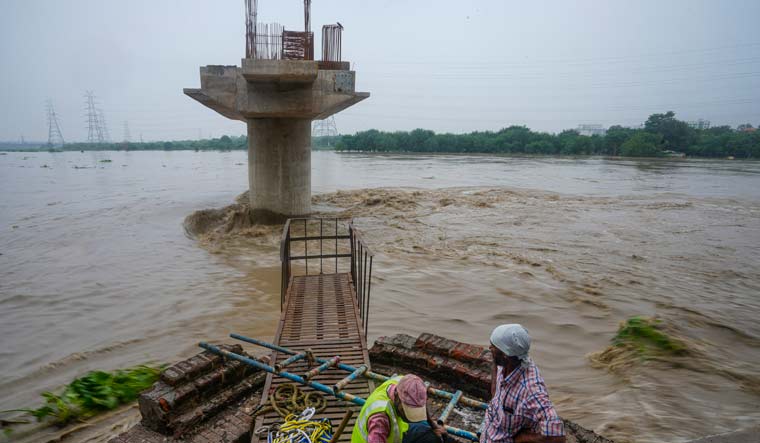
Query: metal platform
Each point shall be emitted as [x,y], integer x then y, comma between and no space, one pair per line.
[323,312]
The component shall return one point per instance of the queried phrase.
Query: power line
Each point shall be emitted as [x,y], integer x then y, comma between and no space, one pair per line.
[55,138]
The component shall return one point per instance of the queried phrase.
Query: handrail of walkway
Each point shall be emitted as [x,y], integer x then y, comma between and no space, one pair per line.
[332,246]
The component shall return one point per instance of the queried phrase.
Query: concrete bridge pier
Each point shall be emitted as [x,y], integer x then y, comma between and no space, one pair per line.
[278,99]
[279,166]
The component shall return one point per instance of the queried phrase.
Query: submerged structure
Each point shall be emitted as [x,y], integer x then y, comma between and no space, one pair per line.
[278,90]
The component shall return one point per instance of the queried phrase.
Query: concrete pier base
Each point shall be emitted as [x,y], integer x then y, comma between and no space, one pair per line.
[279,167]
[278,99]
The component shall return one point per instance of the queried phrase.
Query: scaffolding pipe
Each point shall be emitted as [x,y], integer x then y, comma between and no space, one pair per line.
[331,363]
[292,377]
[289,361]
[449,407]
[351,377]
[471,402]
[315,385]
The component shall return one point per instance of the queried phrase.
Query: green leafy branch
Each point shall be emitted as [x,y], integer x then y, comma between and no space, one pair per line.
[93,393]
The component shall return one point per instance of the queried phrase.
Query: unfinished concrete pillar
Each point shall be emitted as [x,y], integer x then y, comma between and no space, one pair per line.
[279,166]
[278,99]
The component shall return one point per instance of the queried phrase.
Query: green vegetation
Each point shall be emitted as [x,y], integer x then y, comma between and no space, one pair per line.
[95,392]
[646,337]
[223,143]
[661,132]
[643,144]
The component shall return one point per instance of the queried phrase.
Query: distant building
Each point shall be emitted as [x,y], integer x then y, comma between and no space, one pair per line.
[699,124]
[746,127]
[590,130]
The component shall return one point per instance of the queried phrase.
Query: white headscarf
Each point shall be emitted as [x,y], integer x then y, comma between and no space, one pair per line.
[513,340]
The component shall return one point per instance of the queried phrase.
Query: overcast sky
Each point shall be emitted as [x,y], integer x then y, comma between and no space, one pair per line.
[442,65]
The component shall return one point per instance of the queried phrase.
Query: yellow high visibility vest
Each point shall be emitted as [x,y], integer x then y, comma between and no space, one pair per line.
[379,402]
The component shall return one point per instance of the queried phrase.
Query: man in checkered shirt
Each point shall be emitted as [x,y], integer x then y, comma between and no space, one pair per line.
[520,410]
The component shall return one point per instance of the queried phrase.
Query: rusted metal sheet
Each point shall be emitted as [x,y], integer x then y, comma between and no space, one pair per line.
[297,45]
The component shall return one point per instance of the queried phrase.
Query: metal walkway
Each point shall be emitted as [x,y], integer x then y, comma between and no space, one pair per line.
[323,312]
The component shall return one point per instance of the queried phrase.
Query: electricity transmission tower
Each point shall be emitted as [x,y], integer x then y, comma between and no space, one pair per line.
[103,127]
[325,129]
[55,138]
[126,135]
[126,132]
[97,132]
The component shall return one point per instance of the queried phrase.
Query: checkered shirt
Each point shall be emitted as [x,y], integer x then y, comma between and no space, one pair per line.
[520,403]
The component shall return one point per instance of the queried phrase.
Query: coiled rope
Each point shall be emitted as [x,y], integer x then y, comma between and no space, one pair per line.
[302,429]
[297,410]
[288,399]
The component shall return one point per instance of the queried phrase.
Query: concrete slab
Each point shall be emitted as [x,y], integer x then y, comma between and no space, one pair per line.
[284,71]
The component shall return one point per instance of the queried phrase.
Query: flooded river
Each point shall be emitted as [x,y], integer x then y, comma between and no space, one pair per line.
[96,271]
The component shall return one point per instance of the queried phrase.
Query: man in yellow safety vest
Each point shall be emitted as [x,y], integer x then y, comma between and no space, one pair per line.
[390,409]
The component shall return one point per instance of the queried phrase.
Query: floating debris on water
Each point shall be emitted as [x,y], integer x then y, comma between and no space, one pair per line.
[87,396]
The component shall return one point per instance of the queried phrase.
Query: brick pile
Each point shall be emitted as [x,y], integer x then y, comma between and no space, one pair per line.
[206,390]
[445,361]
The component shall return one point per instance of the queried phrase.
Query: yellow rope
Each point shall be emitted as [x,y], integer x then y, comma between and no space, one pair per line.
[294,428]
[290,402]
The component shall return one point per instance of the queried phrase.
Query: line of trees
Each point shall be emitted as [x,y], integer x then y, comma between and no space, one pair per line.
[661,133]
[223,143]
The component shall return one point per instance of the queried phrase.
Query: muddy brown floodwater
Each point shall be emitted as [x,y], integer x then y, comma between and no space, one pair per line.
[96,270]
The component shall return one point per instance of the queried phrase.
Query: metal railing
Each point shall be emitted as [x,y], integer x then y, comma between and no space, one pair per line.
[331,241]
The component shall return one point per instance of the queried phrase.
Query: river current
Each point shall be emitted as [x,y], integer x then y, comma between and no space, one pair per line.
[97,272]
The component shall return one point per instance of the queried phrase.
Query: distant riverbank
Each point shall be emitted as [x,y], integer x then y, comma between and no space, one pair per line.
[666,156]
[662,135]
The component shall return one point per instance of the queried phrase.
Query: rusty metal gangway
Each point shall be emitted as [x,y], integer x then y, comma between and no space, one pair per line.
[322,332]
[325,293]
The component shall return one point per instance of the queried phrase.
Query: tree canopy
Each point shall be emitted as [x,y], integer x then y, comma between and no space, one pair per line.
[661,132]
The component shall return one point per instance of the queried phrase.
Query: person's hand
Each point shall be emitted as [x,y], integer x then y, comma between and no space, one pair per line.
[439,430]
